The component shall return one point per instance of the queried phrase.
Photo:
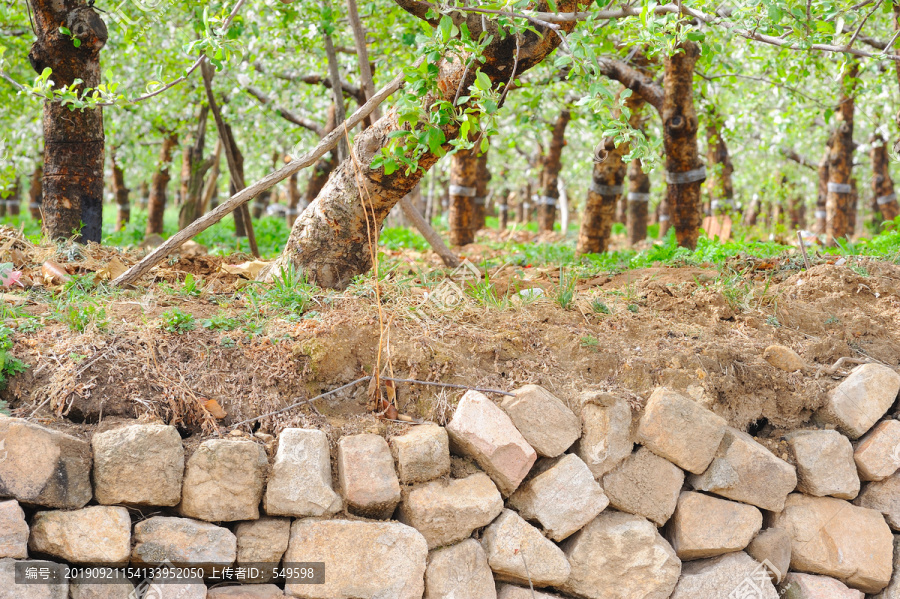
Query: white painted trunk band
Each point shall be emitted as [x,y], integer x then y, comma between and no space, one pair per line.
[698,174]
[606,190]
[634,196]
[821,214]
[663,218]
[882,200]
[502,207]
[839,187]
[546,201]
[459,190]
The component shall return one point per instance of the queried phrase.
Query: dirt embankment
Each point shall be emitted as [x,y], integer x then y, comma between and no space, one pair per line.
[691,329]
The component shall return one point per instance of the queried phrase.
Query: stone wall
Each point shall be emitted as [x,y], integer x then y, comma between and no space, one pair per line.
[588,501]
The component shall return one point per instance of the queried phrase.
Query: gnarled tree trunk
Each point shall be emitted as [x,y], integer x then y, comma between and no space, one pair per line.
[193,171]
[156,205]
[331,241]
[839,202]
[36,192]
[73,139]
[120,191]
[550,175]
[463,181]
[719,187]
[638,202]
[883,196]
[685,173]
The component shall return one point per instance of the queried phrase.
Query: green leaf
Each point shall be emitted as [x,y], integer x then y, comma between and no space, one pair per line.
[65,31]
[76,42]
[482,81]
[445,27]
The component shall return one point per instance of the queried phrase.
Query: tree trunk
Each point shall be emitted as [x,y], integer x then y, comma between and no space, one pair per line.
[482,179]
[884,198]
[156,205]
[13,203]
[36,192]
[463,181]
[797,211]
[240,226]
[332,240]
[685,171]
[193,172]
[73,139]
[719,187]
[606,188]
[751,214]
[123,214]
[821,213]
[638,202]
[208,199]
[839,203]
[503,209]
[550,175]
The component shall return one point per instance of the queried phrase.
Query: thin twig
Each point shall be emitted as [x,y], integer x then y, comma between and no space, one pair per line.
[863,22]
[803,249]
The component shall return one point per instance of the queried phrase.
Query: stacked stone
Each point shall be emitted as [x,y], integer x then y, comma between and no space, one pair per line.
[590,503]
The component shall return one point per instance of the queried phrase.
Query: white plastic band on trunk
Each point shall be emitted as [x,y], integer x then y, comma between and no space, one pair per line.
[886,199]
[291,212]
[606,190]
[698,174]
[459,190]
[663,218]
[546,201]
[839,187]
[821,214]
[12,202]
[502,207]
[479,201]
[634,196]
[526,206]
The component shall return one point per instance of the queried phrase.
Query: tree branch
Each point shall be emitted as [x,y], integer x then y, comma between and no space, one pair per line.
[284,112]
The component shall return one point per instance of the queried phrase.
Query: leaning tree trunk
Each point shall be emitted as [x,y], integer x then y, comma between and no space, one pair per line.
[719,187]
[685,172]
[36,192]
[840,203]
[550,175]
[463,179]
[73,139]
[211,187]
[156,205]
[884,198]
[123,213]
[482,179]
[638,202]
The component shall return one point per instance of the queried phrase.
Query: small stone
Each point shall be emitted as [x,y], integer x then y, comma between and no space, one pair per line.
[300,483]
[877,455]
[481,430]
[262,541]
[183,542]
[784,358]
[447,512]
[223,481]
[833,537]
[680,430]
[620,556]
[518,552]
[508,591]
[362,559]
[547,424]
[861,399]
[883,496]
[705,526]
[10,590]
[92,535]
[13,530]
[772,548]
[367,476]
[892,590]
[607,432]
[645,485]
[562,498]
[422,454]
[744,470]
[825,463]
[83,588]
[141,464]
[730,575]
[42,466]
[245,591]
[459,571]
[809,586]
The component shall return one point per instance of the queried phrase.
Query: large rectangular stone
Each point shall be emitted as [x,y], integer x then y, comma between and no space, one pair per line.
[548,425]
[422,453]
[368,479]
[877,454]
[607,437]
[223,481]
[646,485]
[93,535]
[680,430]
[856,404]
[481,430]
[13,530]
[300,483]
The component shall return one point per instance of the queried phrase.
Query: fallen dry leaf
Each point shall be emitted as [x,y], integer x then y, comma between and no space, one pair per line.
[245,269]
[112,270]
[54,273]
[213,407]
